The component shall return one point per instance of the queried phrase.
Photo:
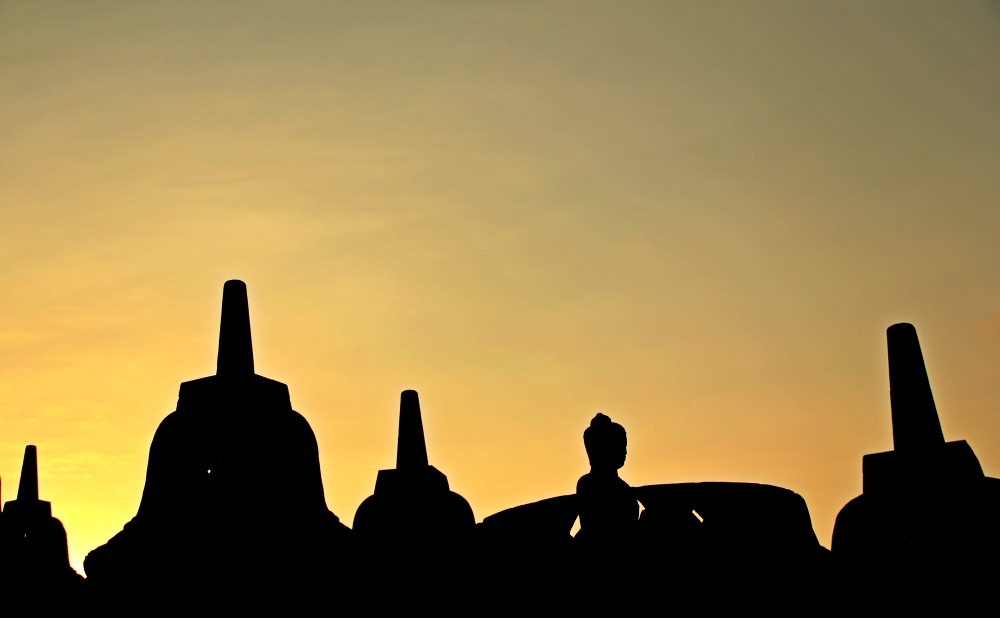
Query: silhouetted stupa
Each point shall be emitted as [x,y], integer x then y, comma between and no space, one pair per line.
[413,504]
[233,487]
[926,505]
[34,551]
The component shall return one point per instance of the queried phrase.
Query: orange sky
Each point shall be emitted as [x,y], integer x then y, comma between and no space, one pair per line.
[698,218]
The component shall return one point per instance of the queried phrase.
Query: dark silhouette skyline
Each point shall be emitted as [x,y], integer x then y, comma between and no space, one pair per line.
[233,516]
[697,219]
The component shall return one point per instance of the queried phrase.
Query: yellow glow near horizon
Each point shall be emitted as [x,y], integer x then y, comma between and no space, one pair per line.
[698,218]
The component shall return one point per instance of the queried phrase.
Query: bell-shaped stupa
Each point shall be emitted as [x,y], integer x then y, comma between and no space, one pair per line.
[413,506]
[33,549]
[233,486]
[927,510]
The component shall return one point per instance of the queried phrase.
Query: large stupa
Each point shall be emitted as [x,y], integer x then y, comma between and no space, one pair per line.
[233,491]
[927,513]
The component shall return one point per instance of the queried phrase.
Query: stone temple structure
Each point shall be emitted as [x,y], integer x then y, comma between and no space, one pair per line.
[927,511]
[233,494]
[414,535]
[412,507]
[33,550]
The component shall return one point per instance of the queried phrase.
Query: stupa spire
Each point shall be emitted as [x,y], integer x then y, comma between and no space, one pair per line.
[27,489]
[411,450]
[915,423]
[235,344]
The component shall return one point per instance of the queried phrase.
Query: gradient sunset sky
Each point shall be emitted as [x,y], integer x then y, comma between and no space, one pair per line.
[696,217]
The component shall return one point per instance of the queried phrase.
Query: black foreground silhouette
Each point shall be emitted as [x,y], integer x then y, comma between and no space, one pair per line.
[33,550]
[928,523]
[233,502]
[233,518]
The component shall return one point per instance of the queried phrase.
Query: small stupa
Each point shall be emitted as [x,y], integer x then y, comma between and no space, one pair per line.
[34,552]
[233,485]
[413,505]
[926,504]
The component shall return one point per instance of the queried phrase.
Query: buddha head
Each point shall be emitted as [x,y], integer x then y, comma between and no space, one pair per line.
[606,444]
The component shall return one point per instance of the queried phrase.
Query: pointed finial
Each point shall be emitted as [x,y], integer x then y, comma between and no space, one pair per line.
[411,450]
[915,423]
[235,344]
[27,489]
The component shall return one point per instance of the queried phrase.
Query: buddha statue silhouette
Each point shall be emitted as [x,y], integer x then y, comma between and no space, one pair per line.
[233,486]
[608,509]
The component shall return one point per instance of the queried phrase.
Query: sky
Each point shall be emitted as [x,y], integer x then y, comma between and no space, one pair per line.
[696,217]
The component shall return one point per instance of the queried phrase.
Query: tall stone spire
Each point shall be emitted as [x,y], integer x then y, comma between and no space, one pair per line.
[235,344]
[411,449]
[27,489]
[27,506]
[915,423]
